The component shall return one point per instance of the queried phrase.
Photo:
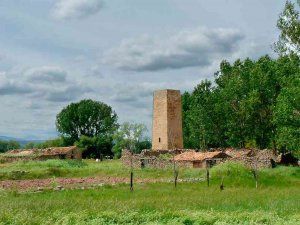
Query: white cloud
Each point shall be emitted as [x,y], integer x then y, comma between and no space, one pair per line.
[70,9]
[189,48]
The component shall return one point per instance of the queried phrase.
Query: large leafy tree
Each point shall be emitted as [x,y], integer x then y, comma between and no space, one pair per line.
[87,118]
[231,91]
[203,124]
[186,107]
[58,142]
[95,147]
[287,116]
[248,91]
[130,136]
[289,26]
[200,117]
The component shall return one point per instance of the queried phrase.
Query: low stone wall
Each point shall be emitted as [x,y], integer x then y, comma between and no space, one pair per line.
[8,159]
[144,160]
[128,158]
[163,159]
[186,164]
[255,163]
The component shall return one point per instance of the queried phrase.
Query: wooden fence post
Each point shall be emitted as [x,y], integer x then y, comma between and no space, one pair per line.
[176,176]
[255,175]
[222,184]
[131,181]
[207,177]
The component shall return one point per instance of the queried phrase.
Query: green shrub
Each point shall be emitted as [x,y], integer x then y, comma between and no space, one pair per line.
[2,160]
[54,171]
[234,174]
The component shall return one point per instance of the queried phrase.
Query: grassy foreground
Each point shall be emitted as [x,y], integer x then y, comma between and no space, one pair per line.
[276,201]
[154,204]
[21,170]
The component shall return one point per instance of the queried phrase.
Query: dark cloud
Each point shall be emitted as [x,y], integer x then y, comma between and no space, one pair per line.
[199,47]
[12,86]
[66,94]
[33,105]
[43,84]
[14,89]
[131,94]
[70,9]
[46,75]
[123,98]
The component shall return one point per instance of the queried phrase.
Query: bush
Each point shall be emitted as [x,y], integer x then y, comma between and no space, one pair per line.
[234,174]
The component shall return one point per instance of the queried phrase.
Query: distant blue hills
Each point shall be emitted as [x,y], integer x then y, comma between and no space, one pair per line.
[21,141]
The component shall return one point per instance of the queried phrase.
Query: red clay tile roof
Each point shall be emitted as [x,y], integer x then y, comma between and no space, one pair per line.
[200,156]
[48,151]
[242,153]
[58,150]
[234,153]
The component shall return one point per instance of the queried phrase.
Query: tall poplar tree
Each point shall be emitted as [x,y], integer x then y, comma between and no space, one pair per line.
[289,26]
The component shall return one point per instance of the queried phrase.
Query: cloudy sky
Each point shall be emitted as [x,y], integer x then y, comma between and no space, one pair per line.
[53,52]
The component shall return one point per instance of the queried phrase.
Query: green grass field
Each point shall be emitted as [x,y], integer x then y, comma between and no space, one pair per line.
[276,201]
[86,168]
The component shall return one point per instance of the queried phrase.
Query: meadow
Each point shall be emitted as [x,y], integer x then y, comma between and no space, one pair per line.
[20,170]
[275,201]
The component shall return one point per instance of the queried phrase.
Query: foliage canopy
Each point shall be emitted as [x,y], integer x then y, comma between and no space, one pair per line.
[87,117]
[130,136]
[289,26]
[90,124]
[250,104]
[9,145]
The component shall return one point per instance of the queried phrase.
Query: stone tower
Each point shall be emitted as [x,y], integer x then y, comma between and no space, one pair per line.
[167,120]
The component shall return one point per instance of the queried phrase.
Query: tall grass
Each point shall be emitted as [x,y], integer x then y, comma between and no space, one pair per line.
[275,201]
[73,168]
[158,203]
[234,174]
[40,169]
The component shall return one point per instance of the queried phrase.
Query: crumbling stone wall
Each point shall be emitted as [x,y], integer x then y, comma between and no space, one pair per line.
[128,158]
[255,163]
[145,159]
[156,159]
[8,159]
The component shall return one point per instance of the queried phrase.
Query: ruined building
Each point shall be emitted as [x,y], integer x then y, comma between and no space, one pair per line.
[167,120]
[167,143]
[71,152]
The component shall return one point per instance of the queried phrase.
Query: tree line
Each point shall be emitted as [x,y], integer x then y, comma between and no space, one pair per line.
[8,145]
[249,104]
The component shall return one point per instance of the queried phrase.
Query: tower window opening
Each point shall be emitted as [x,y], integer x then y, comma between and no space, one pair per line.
[159,140]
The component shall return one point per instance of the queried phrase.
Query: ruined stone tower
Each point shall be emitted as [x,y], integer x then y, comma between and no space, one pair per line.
[167,120]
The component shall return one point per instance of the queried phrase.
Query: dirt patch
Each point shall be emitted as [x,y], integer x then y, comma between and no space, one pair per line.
[66,182]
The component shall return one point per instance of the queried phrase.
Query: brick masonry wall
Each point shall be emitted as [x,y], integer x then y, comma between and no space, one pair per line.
[167,120]
[175,136]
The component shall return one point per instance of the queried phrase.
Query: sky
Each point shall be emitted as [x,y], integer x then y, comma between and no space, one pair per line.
[54,52]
